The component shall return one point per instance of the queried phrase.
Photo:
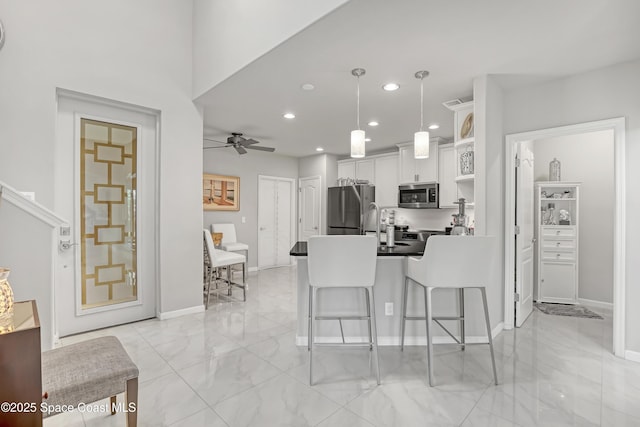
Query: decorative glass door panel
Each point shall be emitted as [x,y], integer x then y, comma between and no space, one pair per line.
[107,213]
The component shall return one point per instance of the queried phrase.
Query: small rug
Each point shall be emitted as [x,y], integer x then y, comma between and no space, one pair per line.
[566,310]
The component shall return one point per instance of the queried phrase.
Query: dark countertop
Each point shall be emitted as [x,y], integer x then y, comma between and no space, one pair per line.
[412,249]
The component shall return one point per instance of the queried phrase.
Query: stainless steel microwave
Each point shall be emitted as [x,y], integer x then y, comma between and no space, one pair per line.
[418,196]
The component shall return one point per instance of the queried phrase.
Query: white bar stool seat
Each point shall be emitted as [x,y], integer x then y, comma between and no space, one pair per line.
[216,258]
[342,262]
[454,262]
[229,240]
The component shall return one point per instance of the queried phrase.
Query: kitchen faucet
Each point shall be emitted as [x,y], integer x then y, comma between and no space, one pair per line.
[375,205]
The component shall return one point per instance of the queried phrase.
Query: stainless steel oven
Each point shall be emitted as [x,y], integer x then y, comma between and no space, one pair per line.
[418,196]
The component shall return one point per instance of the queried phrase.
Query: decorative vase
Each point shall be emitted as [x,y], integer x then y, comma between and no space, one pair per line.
[6,302]
[554,170]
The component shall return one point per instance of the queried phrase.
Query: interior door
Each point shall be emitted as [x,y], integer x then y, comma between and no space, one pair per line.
[310,207]
[266,222]
[284,221]
[105,172]
[525,242]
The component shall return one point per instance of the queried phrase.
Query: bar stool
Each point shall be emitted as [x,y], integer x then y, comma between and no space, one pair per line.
[229,240]
[216,258]
[342,262]
[454,262]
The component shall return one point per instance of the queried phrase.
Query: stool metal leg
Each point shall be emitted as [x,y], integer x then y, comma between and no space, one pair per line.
[486,318]
[244,281]
[311,318]
[404,312]
[429,315]
[366,294]
[372,324]
[461,302]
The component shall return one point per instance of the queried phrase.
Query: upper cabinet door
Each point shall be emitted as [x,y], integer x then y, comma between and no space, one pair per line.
[407,165]
[386,169]
[347,169]
[427,169]
[365,169]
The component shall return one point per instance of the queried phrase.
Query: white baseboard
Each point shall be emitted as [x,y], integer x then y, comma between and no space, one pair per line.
[634,356]
[183,312]
[252,269]
[593,303]
[409,340]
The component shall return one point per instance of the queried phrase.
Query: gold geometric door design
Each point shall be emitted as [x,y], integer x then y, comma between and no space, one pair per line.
[107,213]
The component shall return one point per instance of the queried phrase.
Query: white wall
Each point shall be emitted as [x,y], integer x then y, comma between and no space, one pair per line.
[225,33]
[587,158]
[326,166]
[134,52]
[601,94]
[247,167]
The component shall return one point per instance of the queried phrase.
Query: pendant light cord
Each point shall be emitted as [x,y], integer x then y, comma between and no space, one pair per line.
[358,105]
[421,102]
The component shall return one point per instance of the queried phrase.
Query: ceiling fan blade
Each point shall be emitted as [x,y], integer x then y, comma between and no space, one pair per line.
[240,149]
[219,146]
[269,149]
[249,142]
[214,140]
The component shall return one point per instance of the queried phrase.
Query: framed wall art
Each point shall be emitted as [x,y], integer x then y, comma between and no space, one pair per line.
[220,192]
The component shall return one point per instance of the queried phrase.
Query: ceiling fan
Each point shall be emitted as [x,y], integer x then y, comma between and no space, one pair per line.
[237,141]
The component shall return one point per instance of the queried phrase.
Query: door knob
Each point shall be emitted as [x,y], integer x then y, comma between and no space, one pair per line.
[315,228]
[65,245]
[263,228]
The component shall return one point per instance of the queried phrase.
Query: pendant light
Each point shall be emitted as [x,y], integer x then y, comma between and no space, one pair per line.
[357,136]
[421,138]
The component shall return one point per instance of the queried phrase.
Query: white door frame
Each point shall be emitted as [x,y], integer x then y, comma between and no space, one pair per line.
[619,221]
[320,225]
[294,204]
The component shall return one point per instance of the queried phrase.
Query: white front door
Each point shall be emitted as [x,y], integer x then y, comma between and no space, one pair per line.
[276,221]
[310,207]
[524,238]
[105,163]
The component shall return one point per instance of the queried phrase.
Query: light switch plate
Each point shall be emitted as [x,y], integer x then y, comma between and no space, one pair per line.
[388,309]
[244,219]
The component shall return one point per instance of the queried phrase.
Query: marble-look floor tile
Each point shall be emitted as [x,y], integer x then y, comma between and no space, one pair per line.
[205,418]
[344,418]
[412,404]
[227,375]
[479,418]
[281,351]
[65,419]
[621,385]
[613,418]
[189,350]
[281,401]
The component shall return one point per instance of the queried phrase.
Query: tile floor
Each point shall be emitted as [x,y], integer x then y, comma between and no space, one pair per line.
[237,365]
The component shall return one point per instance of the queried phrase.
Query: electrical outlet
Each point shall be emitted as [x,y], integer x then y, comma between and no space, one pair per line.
[388,309]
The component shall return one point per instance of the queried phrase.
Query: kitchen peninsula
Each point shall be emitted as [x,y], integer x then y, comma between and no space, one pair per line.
[390,274]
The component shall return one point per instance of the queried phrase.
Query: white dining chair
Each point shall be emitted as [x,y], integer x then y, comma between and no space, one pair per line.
[342,262]
[453,262]
[229,240]
[216,258]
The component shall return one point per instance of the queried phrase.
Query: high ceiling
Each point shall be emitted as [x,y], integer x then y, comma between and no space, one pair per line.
[456,40]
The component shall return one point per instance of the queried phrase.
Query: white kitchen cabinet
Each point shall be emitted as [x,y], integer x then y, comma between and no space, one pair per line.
[447,176]
[365,169]
[418,170]
[347,169]
[557,231]
[386,180]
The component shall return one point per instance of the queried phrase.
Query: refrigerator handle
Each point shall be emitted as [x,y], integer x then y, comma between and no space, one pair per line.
[342,203]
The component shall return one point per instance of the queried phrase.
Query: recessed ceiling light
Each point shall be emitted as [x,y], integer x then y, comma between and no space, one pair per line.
[390,87]
[308,86]
[289,116]
[373,123]
[433,126]
[367,140]
[319,149]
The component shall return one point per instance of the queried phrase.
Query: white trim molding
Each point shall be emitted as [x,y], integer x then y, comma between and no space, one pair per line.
[164,315]
[594,303]
[619,235]
[633,356]
[30,206]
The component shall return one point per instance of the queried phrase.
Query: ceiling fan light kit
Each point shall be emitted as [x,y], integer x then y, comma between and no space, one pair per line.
[357,136]
[421,138]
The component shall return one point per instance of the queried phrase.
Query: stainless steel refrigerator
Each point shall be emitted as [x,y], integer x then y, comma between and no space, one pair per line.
[347,207]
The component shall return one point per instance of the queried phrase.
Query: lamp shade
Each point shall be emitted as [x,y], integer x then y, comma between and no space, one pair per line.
[357,143]
[420,145]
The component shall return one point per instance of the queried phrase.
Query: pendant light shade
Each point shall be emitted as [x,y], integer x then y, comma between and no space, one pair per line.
[421,145]
[357,136]
[357,143]
[421,138]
